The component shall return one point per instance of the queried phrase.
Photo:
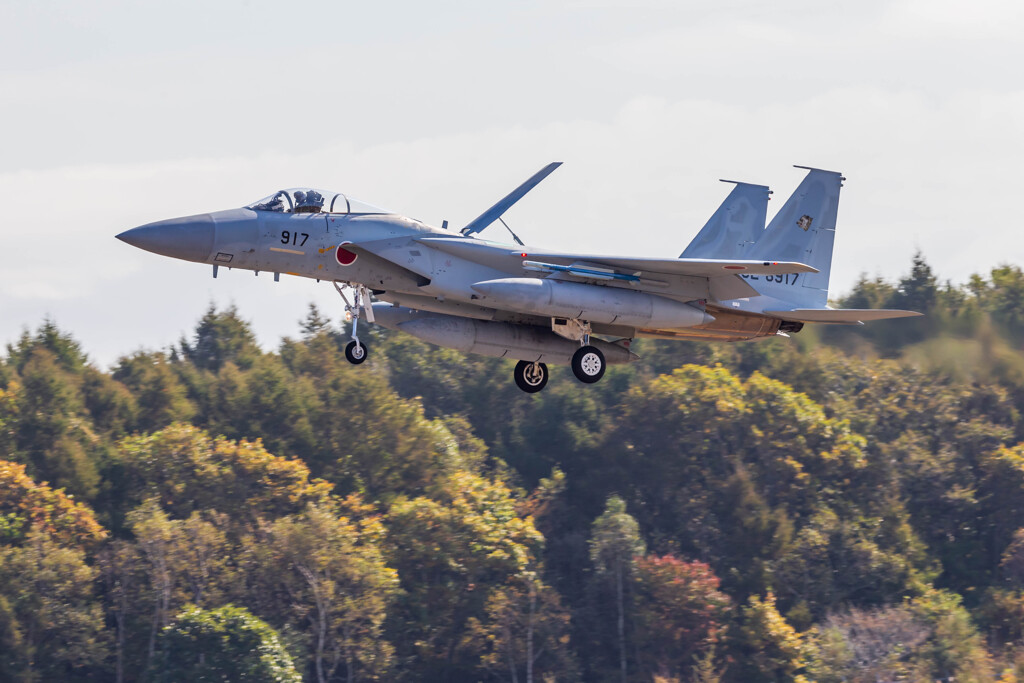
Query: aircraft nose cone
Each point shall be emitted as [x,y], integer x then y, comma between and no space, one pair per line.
[189,238]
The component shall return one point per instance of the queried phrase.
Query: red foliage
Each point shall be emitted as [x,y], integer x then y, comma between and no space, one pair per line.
[679,611]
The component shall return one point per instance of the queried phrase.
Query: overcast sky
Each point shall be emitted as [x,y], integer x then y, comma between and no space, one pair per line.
[116,114]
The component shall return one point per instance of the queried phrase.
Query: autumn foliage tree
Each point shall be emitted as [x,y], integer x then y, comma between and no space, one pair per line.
[679,613]
[841,505]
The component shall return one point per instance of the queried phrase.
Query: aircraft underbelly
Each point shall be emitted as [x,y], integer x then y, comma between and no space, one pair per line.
[727,326]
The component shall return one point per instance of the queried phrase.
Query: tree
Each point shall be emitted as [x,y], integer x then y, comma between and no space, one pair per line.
[863,646]
[51,436]
[332,576]
[160,395]
[48,337]
[49,610]
[614,543]
[220,337]
[185,469]
[525,630]
[1005,298]
[449,552]
[769,649]
[187,559]
[954,649]
[118,564]
[225,644]
[314,323]
[26,505]
[679,613]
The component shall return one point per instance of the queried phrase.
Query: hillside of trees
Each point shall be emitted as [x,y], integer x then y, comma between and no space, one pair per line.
[843,505]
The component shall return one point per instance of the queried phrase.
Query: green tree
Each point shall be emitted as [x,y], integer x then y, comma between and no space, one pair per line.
[67,352]
[615,542]
[954,649]
[225,644]
[49,611]
[160,395]
[51,435]
[449,552]
[186,470]
[1004,298]
[220,337]
[525,631]
[330,574]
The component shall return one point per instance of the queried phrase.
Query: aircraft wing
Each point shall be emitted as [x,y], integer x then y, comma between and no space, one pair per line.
[693,267]
[484,252]
[842,316]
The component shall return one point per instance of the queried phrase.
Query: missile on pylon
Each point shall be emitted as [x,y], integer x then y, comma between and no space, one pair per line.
[497,339]
[593,303]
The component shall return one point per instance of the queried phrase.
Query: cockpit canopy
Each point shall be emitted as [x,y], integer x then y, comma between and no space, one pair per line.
[308,200]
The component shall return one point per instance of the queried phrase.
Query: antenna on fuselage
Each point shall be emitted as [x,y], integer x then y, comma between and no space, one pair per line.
[514,236]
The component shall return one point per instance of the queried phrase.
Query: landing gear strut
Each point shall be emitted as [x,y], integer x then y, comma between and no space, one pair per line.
[530,377]
[588,362]
[355,351]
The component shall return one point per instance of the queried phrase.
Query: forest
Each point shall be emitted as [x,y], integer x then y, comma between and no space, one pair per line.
[843,505]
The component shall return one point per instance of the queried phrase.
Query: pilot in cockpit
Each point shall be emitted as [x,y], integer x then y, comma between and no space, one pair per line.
[275,204]
[309,201]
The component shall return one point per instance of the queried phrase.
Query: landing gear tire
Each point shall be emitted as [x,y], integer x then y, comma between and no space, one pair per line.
[530,377]
[355,352]
[588,364]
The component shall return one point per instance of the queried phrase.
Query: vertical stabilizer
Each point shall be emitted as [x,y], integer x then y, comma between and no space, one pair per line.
[734,227]
[803,230]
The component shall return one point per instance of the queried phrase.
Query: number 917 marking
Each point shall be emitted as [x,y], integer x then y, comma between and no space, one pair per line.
[289,237]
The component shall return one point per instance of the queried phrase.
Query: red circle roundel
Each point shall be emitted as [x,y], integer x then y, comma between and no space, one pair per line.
[344,256]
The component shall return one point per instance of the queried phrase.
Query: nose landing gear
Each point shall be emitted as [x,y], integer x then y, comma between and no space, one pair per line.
[355,351]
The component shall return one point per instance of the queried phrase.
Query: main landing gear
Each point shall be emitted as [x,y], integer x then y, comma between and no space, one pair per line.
[530,377]
[588,364]
[355,351]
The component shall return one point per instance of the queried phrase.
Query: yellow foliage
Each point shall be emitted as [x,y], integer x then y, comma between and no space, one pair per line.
[51,511]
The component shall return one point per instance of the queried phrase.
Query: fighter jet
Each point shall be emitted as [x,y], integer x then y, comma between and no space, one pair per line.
[738,280]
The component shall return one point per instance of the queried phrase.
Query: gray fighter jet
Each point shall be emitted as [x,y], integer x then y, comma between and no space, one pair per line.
[737,280]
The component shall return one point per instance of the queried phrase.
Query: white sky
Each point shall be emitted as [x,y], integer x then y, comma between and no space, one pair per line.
[115,114]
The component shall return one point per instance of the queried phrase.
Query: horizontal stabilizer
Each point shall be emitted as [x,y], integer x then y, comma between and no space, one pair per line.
[847,316]
[495,212]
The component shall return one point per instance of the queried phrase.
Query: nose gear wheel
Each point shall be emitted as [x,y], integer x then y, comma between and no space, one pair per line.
[355,353]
